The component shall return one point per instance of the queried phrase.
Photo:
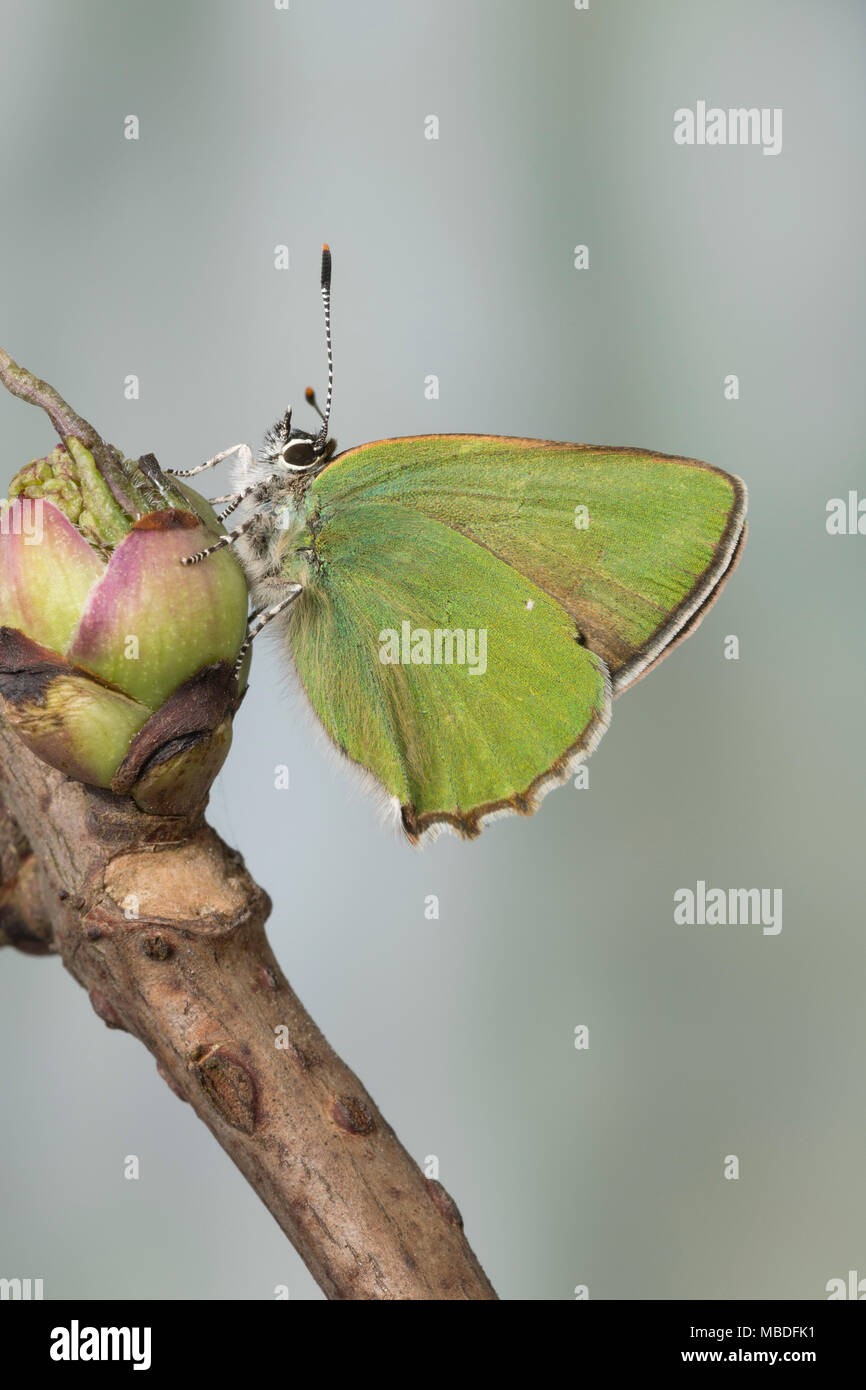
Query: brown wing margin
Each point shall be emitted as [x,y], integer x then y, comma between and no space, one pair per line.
[694,607]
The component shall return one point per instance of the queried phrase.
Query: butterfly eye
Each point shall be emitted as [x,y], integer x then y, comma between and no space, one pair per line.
[297,454]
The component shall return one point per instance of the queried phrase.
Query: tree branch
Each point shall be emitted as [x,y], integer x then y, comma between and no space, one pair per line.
[192,977]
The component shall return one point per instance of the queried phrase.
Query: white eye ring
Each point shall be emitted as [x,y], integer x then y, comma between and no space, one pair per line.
[295,445]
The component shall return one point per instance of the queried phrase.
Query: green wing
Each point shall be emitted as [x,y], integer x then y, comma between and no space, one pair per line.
[451,742]
[472,533]
[662,533]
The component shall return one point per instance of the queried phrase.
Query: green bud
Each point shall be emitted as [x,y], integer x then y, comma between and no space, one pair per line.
[116,662]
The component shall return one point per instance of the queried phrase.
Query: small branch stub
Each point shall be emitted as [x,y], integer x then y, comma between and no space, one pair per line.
[352,1115]
[230,1086]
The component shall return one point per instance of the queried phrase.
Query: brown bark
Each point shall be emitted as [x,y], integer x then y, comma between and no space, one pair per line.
[192,977]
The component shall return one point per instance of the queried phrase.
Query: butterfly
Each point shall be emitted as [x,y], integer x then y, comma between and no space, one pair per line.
[460,609]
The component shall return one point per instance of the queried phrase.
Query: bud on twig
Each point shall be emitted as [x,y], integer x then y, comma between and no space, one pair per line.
[116,661]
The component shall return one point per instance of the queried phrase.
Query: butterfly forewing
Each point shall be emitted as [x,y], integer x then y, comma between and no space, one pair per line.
[633,544]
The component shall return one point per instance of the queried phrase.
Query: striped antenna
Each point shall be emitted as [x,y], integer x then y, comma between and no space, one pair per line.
[326,301]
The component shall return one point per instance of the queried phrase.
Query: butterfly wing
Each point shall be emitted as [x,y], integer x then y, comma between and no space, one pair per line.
[451,741]
[582,566]
[634,545]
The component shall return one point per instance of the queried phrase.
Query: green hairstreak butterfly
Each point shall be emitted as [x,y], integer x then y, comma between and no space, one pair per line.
[462,609]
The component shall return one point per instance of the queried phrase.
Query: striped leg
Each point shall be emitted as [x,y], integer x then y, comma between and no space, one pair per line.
[234,500]
[262,619]
[228,539]
[244,450]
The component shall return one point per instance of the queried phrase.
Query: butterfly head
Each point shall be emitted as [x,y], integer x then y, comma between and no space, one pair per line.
[297,450]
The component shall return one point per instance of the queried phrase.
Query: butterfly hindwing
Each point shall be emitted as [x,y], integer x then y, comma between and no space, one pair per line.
[451,741]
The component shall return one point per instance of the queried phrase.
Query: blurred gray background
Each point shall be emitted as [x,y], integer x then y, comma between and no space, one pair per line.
[259,127]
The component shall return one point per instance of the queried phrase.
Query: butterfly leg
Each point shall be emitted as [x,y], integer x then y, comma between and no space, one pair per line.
[261,619]
[243,450]
[228,539]
[234,500]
